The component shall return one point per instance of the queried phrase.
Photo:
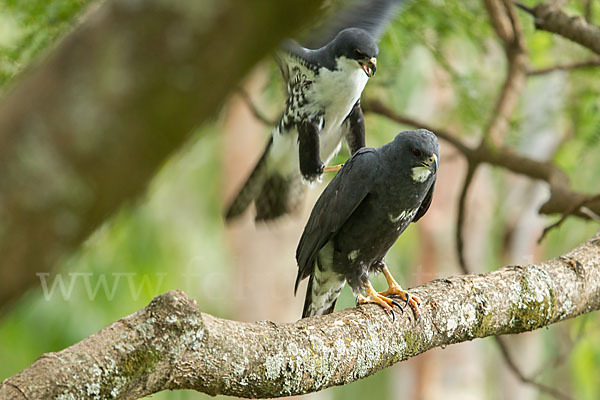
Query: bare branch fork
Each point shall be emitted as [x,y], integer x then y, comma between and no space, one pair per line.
[170,344]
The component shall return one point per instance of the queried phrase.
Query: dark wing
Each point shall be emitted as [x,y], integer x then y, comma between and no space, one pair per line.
[371,16]
[335,205]
[425,203]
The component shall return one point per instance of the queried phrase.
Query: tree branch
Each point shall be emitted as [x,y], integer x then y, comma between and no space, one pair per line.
[562,197]
[460,217]
[170,344]
[567,214]
[587,14]
[515,369]
[258,114]
[85,130]
[550,18]
[507,28]
[564,67]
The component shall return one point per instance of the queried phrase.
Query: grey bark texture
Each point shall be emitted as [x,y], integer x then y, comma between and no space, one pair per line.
[170,344]
[83,131]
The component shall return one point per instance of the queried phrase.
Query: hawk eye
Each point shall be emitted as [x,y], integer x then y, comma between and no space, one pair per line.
[358,53]
[417,152]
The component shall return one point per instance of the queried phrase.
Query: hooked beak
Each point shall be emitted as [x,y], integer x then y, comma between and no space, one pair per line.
[431,163]
[369,66]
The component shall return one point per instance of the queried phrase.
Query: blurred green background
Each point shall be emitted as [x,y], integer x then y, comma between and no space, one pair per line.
[440,62]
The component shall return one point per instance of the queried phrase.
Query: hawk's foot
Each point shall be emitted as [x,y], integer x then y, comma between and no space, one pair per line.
[413,301]
[375,298]
[333,168]
[312,174]
[394,290]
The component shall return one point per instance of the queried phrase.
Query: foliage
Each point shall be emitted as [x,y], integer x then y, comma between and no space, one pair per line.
[27,27]
[438,55]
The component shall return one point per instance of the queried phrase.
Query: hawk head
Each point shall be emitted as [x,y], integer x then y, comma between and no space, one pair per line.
[358,45]
[417,153]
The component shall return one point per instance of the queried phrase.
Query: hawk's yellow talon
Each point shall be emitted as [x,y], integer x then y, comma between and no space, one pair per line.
[333,168]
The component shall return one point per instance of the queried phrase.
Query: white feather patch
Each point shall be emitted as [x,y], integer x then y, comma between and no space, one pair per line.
[336,92]
[420,174]
[353,255]
[326,293]
[404,215]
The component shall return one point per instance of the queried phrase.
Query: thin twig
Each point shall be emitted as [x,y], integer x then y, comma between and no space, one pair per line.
[575,208]
[587,13]
[561,358]
[562,197]
[551,364]
[254,109]
[525,8]
[377,107]
[507,28]
[590,214]
[460,217]
[564,67]
[518,39]
[515,369]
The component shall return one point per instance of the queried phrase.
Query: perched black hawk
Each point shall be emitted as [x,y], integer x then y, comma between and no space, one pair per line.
[359,216]
[324,88]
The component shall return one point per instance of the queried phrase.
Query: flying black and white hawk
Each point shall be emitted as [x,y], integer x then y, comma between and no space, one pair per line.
[360,215]
[324,88]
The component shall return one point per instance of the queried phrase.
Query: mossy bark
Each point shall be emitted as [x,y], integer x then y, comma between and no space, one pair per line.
[170,344]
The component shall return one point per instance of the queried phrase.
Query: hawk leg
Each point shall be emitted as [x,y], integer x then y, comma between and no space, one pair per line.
[375,298]
[394,289]
[311,166]
[355,132]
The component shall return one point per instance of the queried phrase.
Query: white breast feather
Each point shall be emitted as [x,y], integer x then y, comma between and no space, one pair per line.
[336,92]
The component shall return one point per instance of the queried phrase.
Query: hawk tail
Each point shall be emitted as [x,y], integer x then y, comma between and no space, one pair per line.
[279,195]
[320,298]
[251,189]
[273,193]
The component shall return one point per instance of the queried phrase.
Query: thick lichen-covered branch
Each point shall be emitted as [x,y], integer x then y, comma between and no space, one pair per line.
[83,131]
[170,344]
